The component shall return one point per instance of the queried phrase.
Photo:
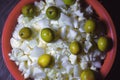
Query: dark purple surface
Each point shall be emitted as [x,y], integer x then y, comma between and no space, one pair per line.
[112,7]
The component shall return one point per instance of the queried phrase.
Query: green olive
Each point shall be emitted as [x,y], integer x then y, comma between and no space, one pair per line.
[69,2]
[89,26]
[25,33]
[45,60]
[53,12]
[102,43]
[30,10]
[74,47]
[87,75]
[47,35]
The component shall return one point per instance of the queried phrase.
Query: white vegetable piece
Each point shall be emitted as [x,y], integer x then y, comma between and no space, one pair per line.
[78,13]
[84,65]
[23,58]
[67,66]
[78,38]
[29,62]
[63,32]
[40,4]
[55,45]
[59,75]
[59,3]
[22,67]
[87,46]
[74,7]
[17,63]
[12,57]
[36,22]
[50,2]
[33,43]
[64,58]
[76,71]
[23,20]
[38,73]
[37,51]
[81,29]
[15,43]
[33,60]
[88,37]
[96,53]
[16,53]
[93,67]
[27,73]
[25,47]
[42,43]
[51,74]
[71,35]
[75,23]
[54,22]
[36,26]
[16,31]
[73,58]
[97,64]
[64,20]
[84,58]
[91,57]
[44,23]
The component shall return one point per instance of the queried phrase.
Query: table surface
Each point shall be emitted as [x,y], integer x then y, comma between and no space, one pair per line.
[111,6]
